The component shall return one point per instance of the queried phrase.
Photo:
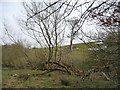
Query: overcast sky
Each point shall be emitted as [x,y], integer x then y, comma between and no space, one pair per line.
[10,12]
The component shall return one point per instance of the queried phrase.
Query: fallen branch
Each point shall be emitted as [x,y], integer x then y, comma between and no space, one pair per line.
[60,66]
[106,76]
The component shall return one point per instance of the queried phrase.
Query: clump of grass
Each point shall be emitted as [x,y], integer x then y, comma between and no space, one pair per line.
[65,82]
[70,81]
[49,75]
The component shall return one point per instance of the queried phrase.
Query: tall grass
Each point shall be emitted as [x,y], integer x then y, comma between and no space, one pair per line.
[18,57]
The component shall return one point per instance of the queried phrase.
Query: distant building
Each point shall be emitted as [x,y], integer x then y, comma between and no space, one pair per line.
[96,48]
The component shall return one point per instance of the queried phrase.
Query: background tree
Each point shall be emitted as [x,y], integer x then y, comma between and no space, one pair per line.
[72,22]
[109,21]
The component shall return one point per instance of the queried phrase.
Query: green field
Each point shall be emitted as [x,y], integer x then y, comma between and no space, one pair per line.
[18,74]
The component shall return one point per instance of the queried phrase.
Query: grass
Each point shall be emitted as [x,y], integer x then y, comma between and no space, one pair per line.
[50,80]
[24,78]
[11,55]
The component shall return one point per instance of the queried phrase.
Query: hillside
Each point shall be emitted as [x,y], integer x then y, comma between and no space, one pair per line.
[23,67]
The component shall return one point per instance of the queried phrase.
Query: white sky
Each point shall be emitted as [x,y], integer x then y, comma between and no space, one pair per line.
[10,11]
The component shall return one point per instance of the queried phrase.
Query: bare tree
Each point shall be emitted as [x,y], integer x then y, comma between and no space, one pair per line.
[46,22]
[47,25]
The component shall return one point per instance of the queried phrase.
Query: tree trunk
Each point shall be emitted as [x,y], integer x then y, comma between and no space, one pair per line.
[71,43]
